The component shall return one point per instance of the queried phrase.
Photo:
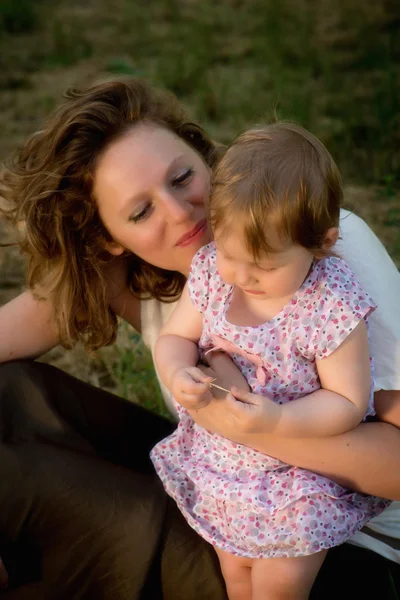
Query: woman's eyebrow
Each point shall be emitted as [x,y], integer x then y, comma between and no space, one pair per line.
[174,163]
[141,196]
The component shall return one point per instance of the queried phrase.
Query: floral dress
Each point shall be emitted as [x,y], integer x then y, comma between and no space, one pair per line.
[242,501]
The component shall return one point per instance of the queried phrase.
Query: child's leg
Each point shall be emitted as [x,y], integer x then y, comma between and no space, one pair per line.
[285,578]
[237,574]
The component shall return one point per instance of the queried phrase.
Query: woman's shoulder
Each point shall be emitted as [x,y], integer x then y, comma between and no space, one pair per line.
[368,258]
[360,247]
[153,315]
[373,266]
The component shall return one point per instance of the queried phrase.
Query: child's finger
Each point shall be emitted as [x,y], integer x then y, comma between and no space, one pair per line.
[243,414]
[236,406]
[188,386]
[194,402]
[198,375]
[243,396]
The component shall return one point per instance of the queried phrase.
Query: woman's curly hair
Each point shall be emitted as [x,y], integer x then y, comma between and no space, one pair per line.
[48,187]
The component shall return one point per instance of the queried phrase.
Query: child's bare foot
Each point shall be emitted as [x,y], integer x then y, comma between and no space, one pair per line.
[3,575]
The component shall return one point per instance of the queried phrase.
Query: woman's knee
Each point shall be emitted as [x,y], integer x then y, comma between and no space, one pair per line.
[17,387]
[22,380]
[27,409]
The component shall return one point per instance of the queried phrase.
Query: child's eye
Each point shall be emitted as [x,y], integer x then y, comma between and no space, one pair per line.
[183,177]
[267,269]
[141,214]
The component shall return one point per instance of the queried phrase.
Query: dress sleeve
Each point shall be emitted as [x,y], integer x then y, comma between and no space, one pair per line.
[379,276]
[201,272]
[343,304]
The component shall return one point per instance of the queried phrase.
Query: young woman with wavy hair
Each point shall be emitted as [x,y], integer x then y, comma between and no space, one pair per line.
[110,194]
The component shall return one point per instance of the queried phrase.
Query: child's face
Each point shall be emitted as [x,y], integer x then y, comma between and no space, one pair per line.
[275,275]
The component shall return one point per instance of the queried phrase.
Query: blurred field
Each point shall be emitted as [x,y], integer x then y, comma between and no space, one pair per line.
[332,65]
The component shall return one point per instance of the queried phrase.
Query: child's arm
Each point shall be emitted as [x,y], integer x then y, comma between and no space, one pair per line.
[176,355]
[338,406]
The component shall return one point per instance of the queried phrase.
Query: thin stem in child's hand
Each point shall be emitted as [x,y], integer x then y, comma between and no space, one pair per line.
[218,386]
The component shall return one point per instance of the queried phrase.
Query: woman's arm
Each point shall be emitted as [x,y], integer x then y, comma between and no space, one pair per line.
[27,328]
[365,459]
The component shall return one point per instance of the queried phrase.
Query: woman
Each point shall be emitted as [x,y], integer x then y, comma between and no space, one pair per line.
[112,191]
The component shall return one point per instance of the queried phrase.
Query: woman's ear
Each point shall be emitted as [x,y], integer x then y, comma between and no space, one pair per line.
[331,237]
[114,248]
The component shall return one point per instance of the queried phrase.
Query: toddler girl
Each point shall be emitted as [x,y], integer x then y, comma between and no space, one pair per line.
[270,292]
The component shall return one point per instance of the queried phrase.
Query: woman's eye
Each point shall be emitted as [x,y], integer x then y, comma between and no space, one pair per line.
[183,177]
[141,214]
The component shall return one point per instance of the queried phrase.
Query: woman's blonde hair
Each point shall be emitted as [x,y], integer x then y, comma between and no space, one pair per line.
[278,175]
[48,186]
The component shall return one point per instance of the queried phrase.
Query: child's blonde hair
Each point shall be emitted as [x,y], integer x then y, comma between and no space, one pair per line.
[278,175]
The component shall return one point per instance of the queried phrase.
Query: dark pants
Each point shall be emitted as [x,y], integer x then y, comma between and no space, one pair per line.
[82,515]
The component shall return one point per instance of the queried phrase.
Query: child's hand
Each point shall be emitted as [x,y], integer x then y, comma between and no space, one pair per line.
[253,413]
[191,388]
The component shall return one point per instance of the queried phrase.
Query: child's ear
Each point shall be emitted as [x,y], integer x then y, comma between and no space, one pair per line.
[331,237]
[114,248]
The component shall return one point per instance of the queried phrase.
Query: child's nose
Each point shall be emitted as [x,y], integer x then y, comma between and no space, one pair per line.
[242,276]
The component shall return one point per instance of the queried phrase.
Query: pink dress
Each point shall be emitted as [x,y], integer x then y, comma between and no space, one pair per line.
[238,499]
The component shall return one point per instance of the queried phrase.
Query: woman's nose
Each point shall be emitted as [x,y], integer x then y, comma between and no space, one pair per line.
[178,209]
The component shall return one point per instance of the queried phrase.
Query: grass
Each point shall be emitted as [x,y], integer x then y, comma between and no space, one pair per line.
[17,17]
[331,65]
[130,355]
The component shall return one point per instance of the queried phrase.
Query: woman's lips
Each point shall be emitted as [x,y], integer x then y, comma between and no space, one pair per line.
[192,235]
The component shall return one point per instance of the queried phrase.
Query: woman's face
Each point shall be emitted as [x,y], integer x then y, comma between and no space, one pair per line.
[150,188]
